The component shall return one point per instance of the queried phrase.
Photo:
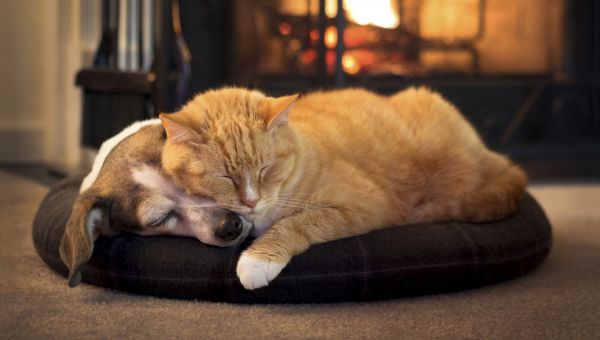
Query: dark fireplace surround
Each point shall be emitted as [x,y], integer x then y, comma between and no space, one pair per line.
[533,116]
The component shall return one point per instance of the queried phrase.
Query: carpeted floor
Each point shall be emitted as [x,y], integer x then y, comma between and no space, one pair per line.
[560,300]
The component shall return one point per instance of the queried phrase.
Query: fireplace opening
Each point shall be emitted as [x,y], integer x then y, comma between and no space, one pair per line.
[410,38]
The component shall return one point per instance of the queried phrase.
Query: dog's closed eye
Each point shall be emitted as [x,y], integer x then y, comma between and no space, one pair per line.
[158,212]
[167,220]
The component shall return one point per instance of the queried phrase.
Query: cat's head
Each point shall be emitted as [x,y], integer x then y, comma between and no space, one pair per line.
[233,145]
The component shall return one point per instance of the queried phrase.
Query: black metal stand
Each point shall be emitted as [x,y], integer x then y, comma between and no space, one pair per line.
[115,98]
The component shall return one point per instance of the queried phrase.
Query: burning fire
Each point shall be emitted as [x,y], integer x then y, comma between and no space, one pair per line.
[285,28]
[350,64]
[364,14]
[373,12]
[331,37]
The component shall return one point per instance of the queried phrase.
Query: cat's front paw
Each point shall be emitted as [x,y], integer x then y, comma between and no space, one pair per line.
[255,273]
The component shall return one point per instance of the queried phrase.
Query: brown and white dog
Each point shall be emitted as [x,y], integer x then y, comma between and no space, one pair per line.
[127,191]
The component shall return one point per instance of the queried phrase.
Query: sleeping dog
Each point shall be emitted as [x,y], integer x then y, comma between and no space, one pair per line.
[127,191]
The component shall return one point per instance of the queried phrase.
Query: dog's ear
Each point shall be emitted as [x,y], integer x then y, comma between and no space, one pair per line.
[88,220]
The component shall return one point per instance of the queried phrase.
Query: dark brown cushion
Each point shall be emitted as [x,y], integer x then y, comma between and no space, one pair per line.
[394,262]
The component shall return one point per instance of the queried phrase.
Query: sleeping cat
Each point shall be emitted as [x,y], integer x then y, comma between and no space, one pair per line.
[334,164]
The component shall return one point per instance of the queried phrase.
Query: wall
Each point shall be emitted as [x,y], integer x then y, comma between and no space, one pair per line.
[40,106]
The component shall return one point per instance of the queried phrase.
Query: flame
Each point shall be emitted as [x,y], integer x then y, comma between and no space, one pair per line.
[331,37]
[285,28]
[314,34]
[382,13]
[373,12]
[350,64]
[330,8]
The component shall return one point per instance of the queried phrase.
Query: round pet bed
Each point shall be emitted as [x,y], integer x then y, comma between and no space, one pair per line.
[394,262]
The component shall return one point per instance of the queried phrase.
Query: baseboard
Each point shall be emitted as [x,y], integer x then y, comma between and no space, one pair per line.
[21,144]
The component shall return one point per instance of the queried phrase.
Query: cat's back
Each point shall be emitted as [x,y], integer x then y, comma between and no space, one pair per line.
[337,102]
[352,127]
[344,115]
[415,114]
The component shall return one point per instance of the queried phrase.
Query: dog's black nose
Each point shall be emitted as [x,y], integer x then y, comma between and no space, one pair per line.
[230,227]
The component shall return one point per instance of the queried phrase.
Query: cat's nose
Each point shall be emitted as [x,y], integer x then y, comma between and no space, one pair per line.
[249,195]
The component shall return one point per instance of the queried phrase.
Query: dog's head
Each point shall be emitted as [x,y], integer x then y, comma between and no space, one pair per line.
[127,191]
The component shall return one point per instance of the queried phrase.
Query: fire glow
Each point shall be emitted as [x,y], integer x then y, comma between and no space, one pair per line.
[404,37]
[373,12]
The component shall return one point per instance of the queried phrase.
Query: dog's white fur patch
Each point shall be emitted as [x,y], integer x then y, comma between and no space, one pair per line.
[107,147]
[151,178]
[91,223]
[255,273]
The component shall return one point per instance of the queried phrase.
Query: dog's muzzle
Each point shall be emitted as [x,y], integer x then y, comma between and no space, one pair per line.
[230,228]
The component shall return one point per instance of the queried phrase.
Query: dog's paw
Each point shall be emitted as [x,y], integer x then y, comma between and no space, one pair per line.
[255,273]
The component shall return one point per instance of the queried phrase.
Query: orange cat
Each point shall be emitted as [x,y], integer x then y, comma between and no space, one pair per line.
[334,164]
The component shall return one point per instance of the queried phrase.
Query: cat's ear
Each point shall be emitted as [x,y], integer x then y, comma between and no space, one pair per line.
[176,132]
[276,110]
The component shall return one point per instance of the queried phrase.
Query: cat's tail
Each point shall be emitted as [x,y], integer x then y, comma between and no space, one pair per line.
[495,195]
[499,194]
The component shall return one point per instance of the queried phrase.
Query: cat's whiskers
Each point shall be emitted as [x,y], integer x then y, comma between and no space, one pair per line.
[295,194]
[300,206]
[297,203]
[283,202]
[297,197]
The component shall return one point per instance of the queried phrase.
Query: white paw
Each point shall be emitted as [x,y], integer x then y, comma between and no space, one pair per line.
[255,273]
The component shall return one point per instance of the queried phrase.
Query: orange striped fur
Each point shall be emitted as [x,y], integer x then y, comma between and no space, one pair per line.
[334,164]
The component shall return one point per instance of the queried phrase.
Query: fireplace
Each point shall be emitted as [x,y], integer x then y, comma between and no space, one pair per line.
[525,73]
[408,38]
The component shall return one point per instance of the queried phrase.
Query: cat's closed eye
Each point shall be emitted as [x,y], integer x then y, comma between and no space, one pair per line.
[265,167]
[263,171]
[229,179]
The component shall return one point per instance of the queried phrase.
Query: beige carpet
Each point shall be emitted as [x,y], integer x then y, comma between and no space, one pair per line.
[561,299]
